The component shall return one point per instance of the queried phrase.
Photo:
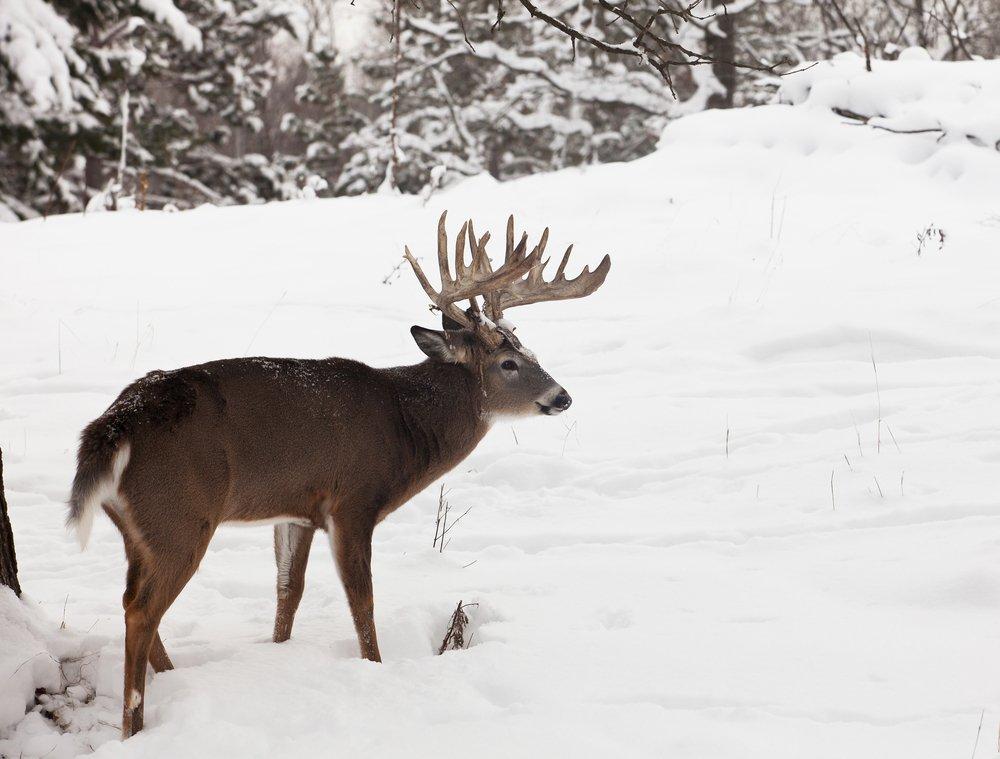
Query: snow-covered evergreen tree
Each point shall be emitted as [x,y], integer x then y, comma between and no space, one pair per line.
[195,74]
[320,120]
[510,99]
[197,111]
[60,66]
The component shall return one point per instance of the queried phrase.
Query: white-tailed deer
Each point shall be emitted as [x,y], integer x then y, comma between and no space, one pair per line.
[328,444]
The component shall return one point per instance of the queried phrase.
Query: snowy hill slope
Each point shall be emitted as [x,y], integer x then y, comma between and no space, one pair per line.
[767,528]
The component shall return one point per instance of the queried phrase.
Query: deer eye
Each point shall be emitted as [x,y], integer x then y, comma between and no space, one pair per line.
[509,365]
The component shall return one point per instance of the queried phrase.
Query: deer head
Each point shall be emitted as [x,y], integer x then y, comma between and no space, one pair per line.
[513,382]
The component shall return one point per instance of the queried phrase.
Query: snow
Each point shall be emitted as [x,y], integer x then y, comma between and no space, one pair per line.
[167,13]
[766,528]
[37,44]
[958,99]
[24,658]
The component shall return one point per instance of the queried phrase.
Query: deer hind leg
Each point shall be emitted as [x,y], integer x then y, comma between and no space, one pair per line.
[157,653]
[352,552]
[158,658]
[164,574]
[291,552]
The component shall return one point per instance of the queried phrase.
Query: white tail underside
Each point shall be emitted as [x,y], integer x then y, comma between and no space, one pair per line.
[105,492]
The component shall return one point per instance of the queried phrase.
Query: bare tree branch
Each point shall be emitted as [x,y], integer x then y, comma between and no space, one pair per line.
[649,44]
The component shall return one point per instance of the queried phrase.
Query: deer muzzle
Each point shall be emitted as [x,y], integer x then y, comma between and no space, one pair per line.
[557,402]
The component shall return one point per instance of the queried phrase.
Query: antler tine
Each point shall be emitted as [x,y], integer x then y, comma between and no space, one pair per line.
[421,277]
[542,242]
[515,253]
[535,289]
[472,237]
[438,299]
[481,262]
[562,264]
[522,247]
[489,300]
[443,250]
[460,267]
[472,242]
[535,273]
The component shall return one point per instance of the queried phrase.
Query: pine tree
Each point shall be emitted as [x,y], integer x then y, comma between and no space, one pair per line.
[197,112]
[510,99]
[319,121]
[57,63]
[194,76]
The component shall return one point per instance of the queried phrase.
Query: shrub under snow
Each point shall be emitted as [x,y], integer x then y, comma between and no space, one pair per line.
[952,101]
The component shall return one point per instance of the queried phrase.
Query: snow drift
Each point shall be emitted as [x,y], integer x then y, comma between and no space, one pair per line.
[949,101]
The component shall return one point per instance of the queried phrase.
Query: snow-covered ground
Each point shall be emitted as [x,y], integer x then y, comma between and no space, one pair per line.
[769,526]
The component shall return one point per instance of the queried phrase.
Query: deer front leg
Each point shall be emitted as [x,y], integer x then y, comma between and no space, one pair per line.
[352,551]
[291,553]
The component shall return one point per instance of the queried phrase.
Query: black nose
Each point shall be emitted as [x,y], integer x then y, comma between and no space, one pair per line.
[562,401]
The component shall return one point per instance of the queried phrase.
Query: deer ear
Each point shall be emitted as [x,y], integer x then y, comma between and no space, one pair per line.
[447,347]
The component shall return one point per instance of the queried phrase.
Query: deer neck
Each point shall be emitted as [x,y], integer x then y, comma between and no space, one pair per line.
[441,408]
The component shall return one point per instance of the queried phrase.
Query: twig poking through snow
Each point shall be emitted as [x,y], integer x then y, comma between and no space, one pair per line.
[437,521]
[930,234]
[893,437]
[833,494]
[451,527]
[441,526]
[978,731]
[32,658]
[454,637]
[394,273]
[878,399]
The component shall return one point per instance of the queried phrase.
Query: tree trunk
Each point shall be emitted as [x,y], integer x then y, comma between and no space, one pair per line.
[918,11]
[722,50]
[8,560]
[93,173]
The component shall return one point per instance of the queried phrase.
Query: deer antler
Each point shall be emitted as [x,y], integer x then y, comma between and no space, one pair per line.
[469,280]
[534,288]
[518,282]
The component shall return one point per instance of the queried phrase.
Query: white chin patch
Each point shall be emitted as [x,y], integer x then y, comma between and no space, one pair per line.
[509,416]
